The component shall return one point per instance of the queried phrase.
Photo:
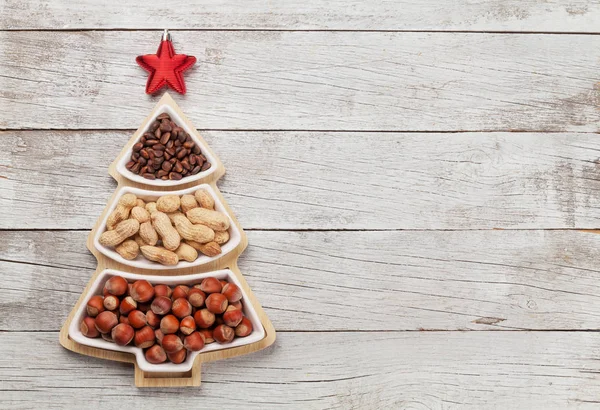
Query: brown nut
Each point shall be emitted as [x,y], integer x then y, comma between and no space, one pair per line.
[232,317]
[180,291]
[204,318]
[237,305]
[137,319]
[144,337]
[122,334]
[216,303]
[116,285]
[208,335]
[161,305]
[232,292]
[124,319]
[127,305]
[95,306]
[169,324]
[155,354]
[88,327]
[177,357]
[181,308]
[187,325]
[211,285]
[223,334]
[142,291]
[163,290]
[172,343]
[111,302]
[105,321]
[244,328]
[194,342]
[152,319]
[196,297]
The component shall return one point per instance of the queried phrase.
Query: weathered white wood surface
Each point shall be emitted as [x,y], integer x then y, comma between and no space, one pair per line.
[330,281]
[488,15]
[391,370]
[308,80]
[405,221]
[315,180]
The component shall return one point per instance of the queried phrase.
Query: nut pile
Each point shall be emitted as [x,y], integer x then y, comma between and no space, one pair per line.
[172,229]
[165,322]
[166,152]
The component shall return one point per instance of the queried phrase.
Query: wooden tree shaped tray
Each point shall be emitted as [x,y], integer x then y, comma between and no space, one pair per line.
[226,261]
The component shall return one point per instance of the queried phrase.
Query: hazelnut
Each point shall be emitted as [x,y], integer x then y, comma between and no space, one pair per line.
[88,327]
[116,286]
[95,305]
[127,305]
[111,302]
[244,328]
[232,317]
[204,318]
[177,357]
[107,337]
[105,321]
[211,285]
[232,292]
[124,319]
[180,291]
[216,303]
[172,343]
[169,324]
[237,305]
[196,297]
[223,334]
[181,308]
[162,290]
[187,325]
[122,334]
[158,335]
[155,355]
[161,305]
[144,337]
[194,342]
[223,282]
[152,319]
[208,335]
[142,291]
[137,319]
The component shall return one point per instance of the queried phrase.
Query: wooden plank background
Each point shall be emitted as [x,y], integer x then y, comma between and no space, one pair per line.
[419,181]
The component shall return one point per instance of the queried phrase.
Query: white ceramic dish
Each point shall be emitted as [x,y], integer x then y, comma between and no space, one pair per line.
[257,334]
[143,263]
[121,169]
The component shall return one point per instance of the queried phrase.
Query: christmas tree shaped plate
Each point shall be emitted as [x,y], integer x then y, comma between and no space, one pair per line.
[225,264]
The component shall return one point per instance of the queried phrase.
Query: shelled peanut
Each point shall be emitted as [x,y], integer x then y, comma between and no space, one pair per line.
[171,229]
[166,322]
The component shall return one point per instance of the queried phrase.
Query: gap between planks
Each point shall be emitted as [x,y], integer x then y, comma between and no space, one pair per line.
[331,131]
[507,32]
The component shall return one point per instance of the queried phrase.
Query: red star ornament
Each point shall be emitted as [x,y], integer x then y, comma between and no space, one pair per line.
[165,67]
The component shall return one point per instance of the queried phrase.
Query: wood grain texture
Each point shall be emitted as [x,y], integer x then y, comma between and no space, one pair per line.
[488,15]
[316,180]
[415,370]
[321,281]
[309,81]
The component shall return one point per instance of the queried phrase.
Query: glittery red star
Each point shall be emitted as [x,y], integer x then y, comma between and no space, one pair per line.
[165,68]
